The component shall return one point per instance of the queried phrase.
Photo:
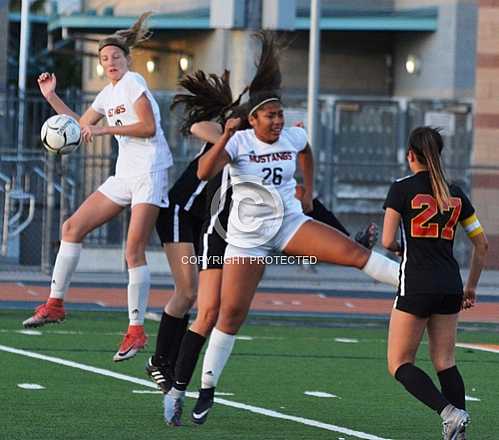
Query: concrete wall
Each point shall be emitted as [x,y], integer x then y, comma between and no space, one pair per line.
[352,63]
[206,46]
[447,56]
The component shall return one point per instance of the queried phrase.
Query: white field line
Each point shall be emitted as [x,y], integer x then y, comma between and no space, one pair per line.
[147,383]
[477,347]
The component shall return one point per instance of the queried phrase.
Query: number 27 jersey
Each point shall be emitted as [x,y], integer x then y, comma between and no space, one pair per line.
[427,235]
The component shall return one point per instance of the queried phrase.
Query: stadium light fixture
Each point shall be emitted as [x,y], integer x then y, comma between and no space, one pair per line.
[413,65]
[100,70]
[184,63]
[151,65]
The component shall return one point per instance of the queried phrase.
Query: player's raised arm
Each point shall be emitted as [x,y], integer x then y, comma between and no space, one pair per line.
[207,131]
[212,162]
[47,83]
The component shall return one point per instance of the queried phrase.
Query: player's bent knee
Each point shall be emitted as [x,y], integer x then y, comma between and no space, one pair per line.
[395,363]
[207,318]
[186,295]
[231,320]
[135,257]
[359,257]
[72,231]
[443,363]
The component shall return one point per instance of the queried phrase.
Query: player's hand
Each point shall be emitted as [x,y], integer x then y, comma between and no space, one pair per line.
[307,202]
[231,126]
[299,124]
[469,298]
[47,82]
[89,131]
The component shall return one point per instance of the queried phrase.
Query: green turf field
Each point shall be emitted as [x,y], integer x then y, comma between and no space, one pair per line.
[271,371]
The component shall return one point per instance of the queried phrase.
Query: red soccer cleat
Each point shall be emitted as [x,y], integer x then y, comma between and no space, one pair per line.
[50,312]
[134,340]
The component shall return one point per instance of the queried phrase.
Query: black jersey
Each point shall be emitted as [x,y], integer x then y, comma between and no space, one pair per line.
[219,197]
[188,191]
[428,265]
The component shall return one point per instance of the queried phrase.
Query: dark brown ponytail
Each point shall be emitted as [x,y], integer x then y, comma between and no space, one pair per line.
[427,145]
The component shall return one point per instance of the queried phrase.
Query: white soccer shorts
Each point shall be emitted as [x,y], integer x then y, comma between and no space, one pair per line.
[289,227]
[149,188]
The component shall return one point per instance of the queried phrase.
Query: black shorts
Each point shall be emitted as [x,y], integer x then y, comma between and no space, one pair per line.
[175,225]
[424,306]
[211,247]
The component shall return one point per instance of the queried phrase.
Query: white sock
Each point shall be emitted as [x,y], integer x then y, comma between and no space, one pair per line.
[382,269]
[139,283]
[64,268]
[216,356]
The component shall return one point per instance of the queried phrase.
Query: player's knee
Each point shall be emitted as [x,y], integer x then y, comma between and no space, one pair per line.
[360,255]
[231,319]
[395,363]
[186,293]
[207,318]
[72,231]
[443,361]
[135,256]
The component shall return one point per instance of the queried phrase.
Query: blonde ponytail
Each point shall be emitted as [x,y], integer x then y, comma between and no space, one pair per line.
[138,33]
[126,39]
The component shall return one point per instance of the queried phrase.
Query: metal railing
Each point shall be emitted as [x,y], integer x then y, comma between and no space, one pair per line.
[361,150]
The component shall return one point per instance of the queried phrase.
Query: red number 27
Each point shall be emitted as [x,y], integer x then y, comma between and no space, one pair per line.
[421,227]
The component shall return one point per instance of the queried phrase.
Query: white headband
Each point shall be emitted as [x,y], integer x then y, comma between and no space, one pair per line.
[261,103]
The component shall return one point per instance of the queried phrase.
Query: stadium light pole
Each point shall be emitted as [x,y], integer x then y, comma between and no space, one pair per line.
[313,71]
[21,83]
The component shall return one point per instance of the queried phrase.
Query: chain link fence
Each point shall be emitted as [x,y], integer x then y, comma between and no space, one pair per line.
[361,150]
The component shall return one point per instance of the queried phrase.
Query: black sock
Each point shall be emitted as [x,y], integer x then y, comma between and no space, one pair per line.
[419,384]
[453,386]
[177,339]
[187,359]
[169,327]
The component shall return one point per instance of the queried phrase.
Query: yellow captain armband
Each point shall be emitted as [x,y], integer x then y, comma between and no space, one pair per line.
[472,226]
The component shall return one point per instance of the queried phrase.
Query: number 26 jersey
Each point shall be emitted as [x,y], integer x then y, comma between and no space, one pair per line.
[427,235]
[269,167]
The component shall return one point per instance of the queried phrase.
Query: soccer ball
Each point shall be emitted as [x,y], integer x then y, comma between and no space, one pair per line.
[61,134]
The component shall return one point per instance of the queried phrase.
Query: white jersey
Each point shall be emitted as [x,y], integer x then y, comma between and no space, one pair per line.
[270,166]
[136,156]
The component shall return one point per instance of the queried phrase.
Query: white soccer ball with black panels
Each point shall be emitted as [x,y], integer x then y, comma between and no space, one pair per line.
[61,134]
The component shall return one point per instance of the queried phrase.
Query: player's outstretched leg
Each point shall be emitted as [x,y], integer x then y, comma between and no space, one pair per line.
[96,210]
[65,265]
